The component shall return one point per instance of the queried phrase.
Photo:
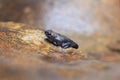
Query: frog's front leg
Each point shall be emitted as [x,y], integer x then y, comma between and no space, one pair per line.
[55,43]
[66,45]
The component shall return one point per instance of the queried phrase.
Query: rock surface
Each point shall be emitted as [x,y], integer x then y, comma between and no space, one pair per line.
[25,45]
[25,55]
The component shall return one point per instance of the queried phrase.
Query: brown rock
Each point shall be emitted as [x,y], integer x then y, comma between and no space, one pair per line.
[114,57]
[26,39]
[23,45]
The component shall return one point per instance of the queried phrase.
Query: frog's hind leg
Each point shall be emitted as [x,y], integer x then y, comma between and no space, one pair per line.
[74,45]
[66,45]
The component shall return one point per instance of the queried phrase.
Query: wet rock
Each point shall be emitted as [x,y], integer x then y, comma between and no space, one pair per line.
[23,45]
[115,46]
[27,39]
[113,57]
[99,66]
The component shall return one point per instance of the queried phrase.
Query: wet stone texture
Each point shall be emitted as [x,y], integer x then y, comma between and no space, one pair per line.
[25,46]
[26,55]
[93,24]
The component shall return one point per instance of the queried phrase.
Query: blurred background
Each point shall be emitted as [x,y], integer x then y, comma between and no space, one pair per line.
[93,24]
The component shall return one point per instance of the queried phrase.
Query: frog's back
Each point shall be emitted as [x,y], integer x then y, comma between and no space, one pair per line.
[60,40]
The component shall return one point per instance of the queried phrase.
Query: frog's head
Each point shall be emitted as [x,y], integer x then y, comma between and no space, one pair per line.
[50,34]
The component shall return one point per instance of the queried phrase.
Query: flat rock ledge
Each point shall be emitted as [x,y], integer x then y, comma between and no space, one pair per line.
[21,39]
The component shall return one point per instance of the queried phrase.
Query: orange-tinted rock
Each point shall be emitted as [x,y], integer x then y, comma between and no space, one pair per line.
[23,45]
[114,57]
[99,66]
[31,40]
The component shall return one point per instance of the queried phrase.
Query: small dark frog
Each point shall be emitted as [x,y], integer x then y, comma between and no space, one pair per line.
[60,40]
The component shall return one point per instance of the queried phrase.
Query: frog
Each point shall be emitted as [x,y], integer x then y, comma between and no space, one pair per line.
[60,40]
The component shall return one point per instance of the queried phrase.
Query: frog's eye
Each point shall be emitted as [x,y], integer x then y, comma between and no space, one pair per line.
[47,33]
